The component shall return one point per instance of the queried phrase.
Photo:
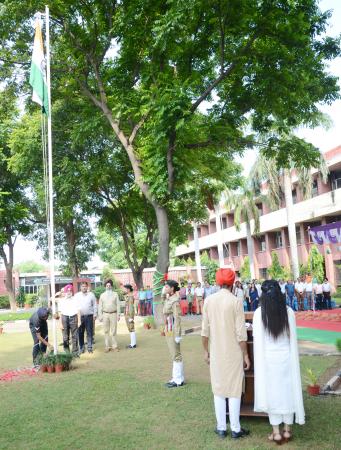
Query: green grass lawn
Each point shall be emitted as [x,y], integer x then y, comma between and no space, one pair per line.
[118,401]
[15,316]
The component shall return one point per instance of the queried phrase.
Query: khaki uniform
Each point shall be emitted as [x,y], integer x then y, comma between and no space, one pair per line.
[107,311]
[172,315]
[129,312]
[224,324]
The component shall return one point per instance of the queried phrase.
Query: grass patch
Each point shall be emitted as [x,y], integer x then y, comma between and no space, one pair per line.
[6,317]
[118,401]
[314,335]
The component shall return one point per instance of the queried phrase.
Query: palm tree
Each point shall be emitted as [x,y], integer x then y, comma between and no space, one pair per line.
[279,182]
[243,202]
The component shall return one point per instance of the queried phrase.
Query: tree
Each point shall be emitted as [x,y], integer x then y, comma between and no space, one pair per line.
[315,264]
[13,201]
[278,180]
[211,267]
[245,273]
[275,270]
[30,266]
[148,66]
[243,203]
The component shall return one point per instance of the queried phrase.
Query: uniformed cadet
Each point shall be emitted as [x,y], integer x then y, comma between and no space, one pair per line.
[129,312]
[172,315]
[39,331]
[108,309]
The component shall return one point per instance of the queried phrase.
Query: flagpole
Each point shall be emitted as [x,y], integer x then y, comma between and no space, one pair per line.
[50,178]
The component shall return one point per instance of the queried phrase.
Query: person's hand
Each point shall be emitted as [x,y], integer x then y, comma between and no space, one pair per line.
[131,320]
[207,357]
[177,339]
[247,363]
[95,317]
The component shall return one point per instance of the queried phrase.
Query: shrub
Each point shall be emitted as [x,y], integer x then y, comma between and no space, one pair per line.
[98,291]
[338,344]
[4,302]
[21,297]
[31,299]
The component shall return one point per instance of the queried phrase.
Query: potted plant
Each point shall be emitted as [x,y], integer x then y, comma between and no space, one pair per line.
[41,361]
[50,362]
[313,388]
[59,363]
[2,327]
[338,344]
[63,361]
[149,322]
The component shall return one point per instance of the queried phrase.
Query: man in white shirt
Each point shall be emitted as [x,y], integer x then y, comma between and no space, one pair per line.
[199,297]
[300,288]
[317,286]
[326,290]
[70,319]
[309,291]
[88,308]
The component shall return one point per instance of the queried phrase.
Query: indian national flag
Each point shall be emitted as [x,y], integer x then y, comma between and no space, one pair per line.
[38,73]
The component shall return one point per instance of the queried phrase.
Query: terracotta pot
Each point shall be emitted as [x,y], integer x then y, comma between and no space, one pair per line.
[58,368]
[50,369]
[27,306]
[163,333]
[43,368]
[1,330]
[147,326]
[313,390]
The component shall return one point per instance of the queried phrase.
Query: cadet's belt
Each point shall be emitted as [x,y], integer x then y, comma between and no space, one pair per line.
[111,312]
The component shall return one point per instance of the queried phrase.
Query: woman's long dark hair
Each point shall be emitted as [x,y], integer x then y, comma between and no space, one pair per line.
[173,284]
[274,309]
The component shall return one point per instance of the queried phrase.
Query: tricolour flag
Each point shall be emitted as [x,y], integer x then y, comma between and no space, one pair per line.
[38,73]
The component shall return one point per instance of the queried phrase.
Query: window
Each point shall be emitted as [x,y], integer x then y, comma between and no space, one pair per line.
[278,239]
[336,180]
[298,235]
[260,208]
[223,223]
[226,252]
[262,243]
[294,196]
[314,188]
[31,289]
[263,273]
[238,248]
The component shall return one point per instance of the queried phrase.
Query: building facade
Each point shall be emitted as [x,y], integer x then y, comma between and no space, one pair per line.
[323,208]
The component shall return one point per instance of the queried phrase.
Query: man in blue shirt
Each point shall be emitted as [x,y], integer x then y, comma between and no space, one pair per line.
[142,301]
[290,292]
[149,300]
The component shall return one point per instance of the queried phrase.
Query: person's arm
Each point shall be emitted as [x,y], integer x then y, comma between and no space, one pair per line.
[100,310]
[43,341]
[177,322]
[118,306]
[94,303]
[242,334]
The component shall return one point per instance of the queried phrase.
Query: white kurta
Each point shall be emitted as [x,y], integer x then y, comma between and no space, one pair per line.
[278,388]
[224,324]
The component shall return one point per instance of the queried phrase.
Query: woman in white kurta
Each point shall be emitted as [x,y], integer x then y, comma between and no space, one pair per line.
[278,389]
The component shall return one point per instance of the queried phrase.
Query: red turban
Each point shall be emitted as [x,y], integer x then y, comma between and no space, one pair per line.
[225,276]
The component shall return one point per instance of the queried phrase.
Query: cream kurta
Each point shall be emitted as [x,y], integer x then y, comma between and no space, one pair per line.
[224,324]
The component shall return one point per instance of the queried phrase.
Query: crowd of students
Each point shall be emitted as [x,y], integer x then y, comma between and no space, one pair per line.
[306,293]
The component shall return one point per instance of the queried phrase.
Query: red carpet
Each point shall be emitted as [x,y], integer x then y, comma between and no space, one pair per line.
[329,320]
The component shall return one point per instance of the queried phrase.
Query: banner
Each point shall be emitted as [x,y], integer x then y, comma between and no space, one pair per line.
[326,234]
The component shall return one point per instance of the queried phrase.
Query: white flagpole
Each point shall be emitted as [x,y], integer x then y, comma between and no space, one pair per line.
[50,173]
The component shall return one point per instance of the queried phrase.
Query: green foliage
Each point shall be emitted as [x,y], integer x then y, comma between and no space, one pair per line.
[315,264]
[31,299]
[21,297]
[245,273]
[107,274]
[29,266]
[189,262]
[275,270]
[211,267]
[4,302]
[338,345]
[311,377]
[98,291]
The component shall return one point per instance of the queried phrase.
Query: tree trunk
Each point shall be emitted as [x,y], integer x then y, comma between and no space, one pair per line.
[291,224]
[250,250]
[138,276]
[71,241]
[197,252]
[8,261]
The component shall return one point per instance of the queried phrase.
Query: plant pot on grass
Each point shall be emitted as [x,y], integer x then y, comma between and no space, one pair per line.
[1,327]
[313,388]
[149,322]
[63,360]
[50,361]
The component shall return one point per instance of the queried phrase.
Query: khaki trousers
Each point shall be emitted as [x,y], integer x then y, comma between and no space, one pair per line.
[174,349]
[110,329]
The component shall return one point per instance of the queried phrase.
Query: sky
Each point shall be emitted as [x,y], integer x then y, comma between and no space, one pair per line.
[321,138]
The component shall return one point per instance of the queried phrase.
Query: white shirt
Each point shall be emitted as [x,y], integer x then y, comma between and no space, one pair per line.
[282,286]
[326,287]
[318,288]
[239,293]
[299,286]
[86,303]
[68,306]
[309,287]
[199,291]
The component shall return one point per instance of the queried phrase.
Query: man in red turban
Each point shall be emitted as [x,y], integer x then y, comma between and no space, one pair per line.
[224,340]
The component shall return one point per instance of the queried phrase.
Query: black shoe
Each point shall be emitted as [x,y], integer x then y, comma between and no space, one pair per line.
[221,433]
[82,350]
[131,346]
[90,350]
[239,434]
[172,384]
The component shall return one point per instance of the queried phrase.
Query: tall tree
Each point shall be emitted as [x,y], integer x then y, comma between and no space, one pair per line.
[279,183]
[244,205]
[148,66]
[13,200]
